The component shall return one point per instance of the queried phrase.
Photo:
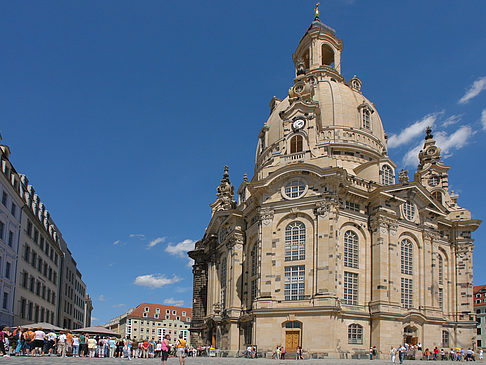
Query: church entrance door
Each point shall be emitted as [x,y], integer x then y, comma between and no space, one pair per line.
[292,340]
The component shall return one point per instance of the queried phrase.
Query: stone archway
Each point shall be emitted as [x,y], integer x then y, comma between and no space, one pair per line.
[410,335]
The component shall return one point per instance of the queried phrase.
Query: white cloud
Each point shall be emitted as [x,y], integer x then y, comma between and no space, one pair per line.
[180,249]
[101,298]
[447,143]
[477,86]
[412,131]
[156,241]
[137,235]
[453,119]
[483,119]
[411,157]
[116,242]
[118,305]
[455,141]
[172,301]
[94,319]
[155,280]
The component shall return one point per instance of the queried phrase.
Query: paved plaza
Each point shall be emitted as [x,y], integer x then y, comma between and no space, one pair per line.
[194,361]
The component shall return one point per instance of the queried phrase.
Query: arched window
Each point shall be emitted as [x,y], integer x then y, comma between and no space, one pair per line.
[366,117]
[295,241]
[406,264]
[351,246]
[441,270]
[355,334]
[327,55]
[387,177]
[296,144]
[406,257]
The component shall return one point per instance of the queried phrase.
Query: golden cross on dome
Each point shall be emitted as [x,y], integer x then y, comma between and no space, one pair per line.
[316,12]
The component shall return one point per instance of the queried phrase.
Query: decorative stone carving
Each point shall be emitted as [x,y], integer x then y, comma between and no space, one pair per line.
[323,208]
[266,215]
[225,194]
[403,176]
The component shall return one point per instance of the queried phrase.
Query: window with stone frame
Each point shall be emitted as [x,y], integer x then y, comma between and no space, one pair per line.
[441,270]
[355,334]
[295,188]
[295,241]
[407,292]
[445,339]
[294,286]
[441,298]
[409,210]
[350,288]
[296,144]
[223,279]
[253,289]
[406,259]
[366,118]
[254,260]
[387,176]
[351,249]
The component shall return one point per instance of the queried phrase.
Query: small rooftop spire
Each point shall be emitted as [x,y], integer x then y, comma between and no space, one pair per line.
[316,12]
[428,132]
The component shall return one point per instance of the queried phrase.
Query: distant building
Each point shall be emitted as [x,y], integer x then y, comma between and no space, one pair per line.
[10,216]
[88,308]
[38,275]
[480,309]
[153,321]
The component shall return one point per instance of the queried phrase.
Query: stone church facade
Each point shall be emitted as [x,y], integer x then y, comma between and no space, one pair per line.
[323,249]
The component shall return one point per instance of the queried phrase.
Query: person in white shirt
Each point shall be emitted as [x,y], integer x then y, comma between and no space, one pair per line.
[51,342]
[393,352]
[61,344]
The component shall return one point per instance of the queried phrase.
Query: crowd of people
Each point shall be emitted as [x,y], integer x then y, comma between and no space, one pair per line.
[407,351]
[37,342]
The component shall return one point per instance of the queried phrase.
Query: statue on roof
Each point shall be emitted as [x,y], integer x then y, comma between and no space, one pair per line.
[316,12]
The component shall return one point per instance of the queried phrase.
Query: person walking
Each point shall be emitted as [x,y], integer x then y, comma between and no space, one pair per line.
[481,355]
[181,350]
[61,344]
[393,353]
[401,353]
[76,346]
[165,349]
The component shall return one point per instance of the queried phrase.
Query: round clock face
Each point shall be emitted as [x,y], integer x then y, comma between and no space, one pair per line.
[298,124]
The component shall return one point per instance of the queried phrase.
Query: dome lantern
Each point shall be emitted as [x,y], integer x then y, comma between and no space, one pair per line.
[319,50]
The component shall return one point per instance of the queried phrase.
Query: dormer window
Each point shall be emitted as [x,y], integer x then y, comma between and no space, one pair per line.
[365,115]
[387,177]
[296,144]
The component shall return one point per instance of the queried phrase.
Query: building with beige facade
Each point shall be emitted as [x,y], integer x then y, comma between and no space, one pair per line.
[323,248]
[149,321]
[44,284]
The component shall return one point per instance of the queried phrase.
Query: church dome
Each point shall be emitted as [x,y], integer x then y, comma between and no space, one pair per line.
[323,118]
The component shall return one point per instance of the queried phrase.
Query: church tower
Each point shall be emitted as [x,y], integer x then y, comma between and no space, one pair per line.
[323,236]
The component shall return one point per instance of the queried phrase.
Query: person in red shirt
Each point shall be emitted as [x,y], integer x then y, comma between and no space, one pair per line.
[145,346]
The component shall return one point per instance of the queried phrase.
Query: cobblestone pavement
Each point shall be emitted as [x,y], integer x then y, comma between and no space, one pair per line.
[194,361]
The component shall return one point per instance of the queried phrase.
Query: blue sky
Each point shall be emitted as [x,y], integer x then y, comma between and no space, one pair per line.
[123,114]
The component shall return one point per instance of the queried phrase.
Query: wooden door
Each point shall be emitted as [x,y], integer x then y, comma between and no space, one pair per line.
[292,340]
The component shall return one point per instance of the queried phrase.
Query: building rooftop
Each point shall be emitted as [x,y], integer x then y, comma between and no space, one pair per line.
[161,311]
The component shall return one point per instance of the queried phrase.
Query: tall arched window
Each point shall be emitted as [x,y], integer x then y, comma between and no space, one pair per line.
[295,241]
[355,334]
[441,270]
[351,246]
[296,144]
[387,177]
[406,257]
[406,282]
[366,117]
[327,55]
